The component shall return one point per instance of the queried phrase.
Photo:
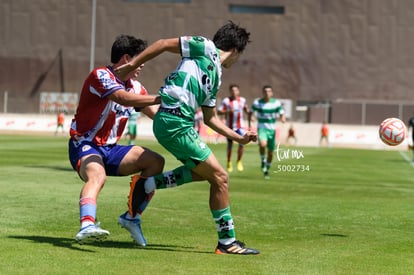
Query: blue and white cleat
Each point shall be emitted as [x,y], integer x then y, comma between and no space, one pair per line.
[134,227]
[91,233]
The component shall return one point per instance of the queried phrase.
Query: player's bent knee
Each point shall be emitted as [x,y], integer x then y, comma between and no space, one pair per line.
[160,162]
[100,180]
[222,180]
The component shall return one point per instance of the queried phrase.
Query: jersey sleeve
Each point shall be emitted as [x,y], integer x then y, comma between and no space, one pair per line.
[280,110]
[254,106]
[223,106]
[103,83]
[193,46]
[244,104]
[210,102]
[138,88]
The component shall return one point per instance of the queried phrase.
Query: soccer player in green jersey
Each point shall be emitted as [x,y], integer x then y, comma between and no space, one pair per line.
[195,82]
[267,110]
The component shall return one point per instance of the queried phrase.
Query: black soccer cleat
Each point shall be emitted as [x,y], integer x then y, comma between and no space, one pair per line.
[235,247]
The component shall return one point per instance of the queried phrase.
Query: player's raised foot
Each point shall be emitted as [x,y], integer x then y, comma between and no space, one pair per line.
[240,166]
[235,247]
[229,167]
[134,228]
[91,233]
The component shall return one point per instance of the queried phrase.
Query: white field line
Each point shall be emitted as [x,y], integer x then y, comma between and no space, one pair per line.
[408,159]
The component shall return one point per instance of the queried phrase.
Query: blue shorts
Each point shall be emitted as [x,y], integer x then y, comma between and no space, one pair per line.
[112,155]
[240,131]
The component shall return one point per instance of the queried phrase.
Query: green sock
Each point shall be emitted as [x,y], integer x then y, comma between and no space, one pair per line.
[173,178]
[225,225]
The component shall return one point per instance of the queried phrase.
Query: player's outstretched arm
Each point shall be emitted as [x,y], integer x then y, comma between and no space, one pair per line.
[150,111]
[283,118]
[249,119]
[155,49]
[130,99]
[212,120]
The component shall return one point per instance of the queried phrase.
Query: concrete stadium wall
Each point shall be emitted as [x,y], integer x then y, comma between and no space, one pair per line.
[369,112]
[316,50]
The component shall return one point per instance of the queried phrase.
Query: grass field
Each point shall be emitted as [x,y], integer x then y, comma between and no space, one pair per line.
[341,211]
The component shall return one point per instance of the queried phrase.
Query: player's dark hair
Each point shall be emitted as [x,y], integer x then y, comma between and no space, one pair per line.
[231,86]
[126,44]
[231,36]
[266,87]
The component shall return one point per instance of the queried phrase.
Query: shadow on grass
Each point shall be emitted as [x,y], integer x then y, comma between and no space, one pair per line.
[334,235]
[60,242]
[174,248]
[72,244]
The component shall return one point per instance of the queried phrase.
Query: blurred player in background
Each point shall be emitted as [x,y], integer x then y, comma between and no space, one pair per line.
[324,134]
[105,105]
[60,123]
[233,107]
[195,83]
[291,138]
[267,110]
[132,127]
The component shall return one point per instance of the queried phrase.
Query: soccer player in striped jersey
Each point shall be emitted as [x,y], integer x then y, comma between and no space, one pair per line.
[105,104]
[233,107]
[194,83]
[267,110]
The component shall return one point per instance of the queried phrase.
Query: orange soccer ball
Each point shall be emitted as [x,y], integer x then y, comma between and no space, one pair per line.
[392,131]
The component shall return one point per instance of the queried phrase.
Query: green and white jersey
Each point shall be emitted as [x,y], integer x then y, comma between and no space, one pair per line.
[197,78]
[267,112]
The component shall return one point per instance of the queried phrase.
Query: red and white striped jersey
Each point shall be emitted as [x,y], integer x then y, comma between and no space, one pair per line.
[236,106]
[99,119]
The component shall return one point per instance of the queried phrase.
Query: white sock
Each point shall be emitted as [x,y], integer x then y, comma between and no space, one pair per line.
[149,185]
